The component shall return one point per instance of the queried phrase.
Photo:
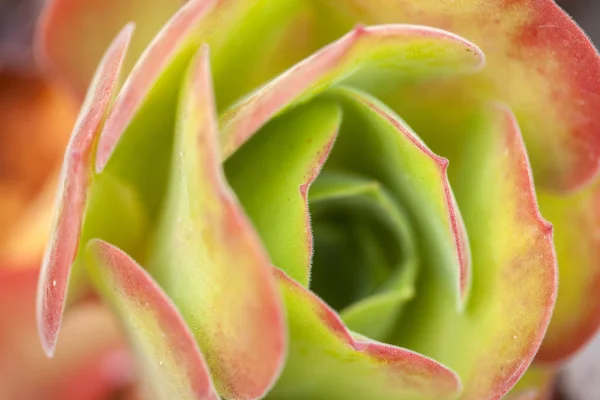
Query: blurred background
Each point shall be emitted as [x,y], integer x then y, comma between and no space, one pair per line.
[26,188]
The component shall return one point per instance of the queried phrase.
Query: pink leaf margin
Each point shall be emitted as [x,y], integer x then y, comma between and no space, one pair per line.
[75,180]
[131,280]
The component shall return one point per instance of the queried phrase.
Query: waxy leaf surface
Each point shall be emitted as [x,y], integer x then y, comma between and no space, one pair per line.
[368,260]
[377,143]
[143,117]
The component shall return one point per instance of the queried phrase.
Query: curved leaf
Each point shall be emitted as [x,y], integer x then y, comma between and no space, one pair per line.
[210,261]
[538,61]
[272,175]
[75,180]
[143,117]
[576,317]
[394,53]
[169,361]
[327,361]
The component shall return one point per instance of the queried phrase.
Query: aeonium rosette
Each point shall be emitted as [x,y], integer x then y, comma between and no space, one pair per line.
[257,207]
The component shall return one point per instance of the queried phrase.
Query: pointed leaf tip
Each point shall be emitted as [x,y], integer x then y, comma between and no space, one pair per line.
[364,48]
[209,259]
[286,157]
[74,182]
[168,358]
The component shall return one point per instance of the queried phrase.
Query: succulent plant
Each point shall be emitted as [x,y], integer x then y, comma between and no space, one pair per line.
[329,199]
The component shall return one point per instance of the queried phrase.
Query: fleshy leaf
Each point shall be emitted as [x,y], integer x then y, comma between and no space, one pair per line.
[327,361]
[285,157]
[210,261]
[377,271]
[514,268]
[576,317]
[74,182]
[393,54]
[73,34]
[377,143]
[169,361]
[538,61]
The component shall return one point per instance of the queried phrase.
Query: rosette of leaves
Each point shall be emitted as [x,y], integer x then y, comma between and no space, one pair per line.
[329,200]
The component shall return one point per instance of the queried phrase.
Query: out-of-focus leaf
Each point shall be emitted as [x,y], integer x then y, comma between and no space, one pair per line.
[91,343]
[538,383]
[73,34]
[72,192]
[576,318]
[27,184]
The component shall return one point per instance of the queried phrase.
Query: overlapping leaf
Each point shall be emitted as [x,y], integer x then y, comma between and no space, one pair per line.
[327,361]
[539,62]
[210,261]
[514,268]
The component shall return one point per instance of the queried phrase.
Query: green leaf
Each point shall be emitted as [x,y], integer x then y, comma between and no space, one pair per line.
[375,142]
[326,361]
[514,286]
[576,318]
[272,174]
[113,213]
[365,57]
[208,258]
[539,62]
